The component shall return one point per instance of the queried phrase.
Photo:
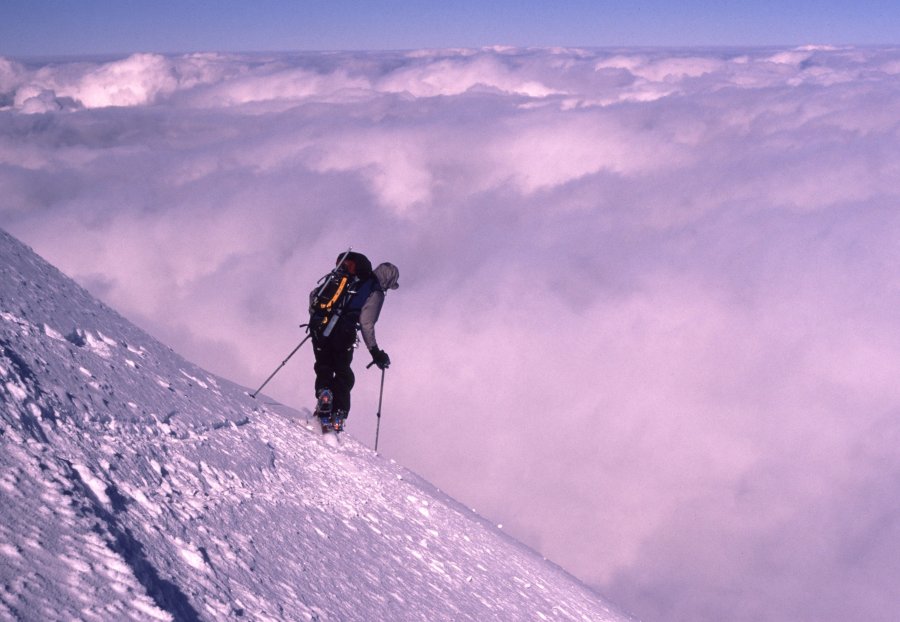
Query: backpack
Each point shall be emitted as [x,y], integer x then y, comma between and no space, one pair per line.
[341,294]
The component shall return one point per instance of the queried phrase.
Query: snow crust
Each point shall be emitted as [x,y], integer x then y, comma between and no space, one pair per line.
[136,486]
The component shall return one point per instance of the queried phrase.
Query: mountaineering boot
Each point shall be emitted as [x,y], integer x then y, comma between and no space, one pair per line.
[323,409]
[337,421]
[324,402]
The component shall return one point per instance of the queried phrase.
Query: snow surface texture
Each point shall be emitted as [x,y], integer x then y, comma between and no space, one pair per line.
[136,486]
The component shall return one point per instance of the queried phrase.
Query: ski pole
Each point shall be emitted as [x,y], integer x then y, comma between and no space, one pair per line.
[378,415]
[283,363]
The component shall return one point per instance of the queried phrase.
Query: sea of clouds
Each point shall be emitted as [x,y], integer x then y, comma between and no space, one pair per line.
[648,306]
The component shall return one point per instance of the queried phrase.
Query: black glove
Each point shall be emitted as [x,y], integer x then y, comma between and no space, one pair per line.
[380,358]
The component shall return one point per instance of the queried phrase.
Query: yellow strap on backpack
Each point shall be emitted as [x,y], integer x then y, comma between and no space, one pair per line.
[337,294]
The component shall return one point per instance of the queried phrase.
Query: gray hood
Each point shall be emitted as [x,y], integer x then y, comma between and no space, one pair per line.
[387,275]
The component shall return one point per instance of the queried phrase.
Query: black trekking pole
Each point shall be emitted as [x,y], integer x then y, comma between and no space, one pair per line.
[378,414]
[283,363]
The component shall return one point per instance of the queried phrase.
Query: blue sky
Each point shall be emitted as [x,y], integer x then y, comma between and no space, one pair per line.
[62,27]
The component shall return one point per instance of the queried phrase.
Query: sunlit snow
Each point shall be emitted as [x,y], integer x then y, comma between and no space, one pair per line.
[136,486]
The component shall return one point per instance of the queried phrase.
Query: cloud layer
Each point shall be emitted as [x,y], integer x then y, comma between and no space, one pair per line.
[647,315]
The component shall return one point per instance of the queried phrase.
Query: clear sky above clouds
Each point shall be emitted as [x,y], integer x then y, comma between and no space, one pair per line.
[706,239]
[61,27]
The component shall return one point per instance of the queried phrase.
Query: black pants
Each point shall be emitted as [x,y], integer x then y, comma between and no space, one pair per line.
[334,354]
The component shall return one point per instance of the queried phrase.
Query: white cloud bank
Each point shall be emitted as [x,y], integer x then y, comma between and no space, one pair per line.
[647,315]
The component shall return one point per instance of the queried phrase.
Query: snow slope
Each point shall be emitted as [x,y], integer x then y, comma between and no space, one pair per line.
[136,486]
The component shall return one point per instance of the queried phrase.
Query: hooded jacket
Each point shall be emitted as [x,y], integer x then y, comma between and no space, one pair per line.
[387,276]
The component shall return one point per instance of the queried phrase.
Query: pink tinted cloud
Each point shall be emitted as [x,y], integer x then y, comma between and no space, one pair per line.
[647,304]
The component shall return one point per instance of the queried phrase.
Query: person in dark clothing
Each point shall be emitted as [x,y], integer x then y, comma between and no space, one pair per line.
[334,353]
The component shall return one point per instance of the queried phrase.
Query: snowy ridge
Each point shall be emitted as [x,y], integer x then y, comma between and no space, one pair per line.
[136,486]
